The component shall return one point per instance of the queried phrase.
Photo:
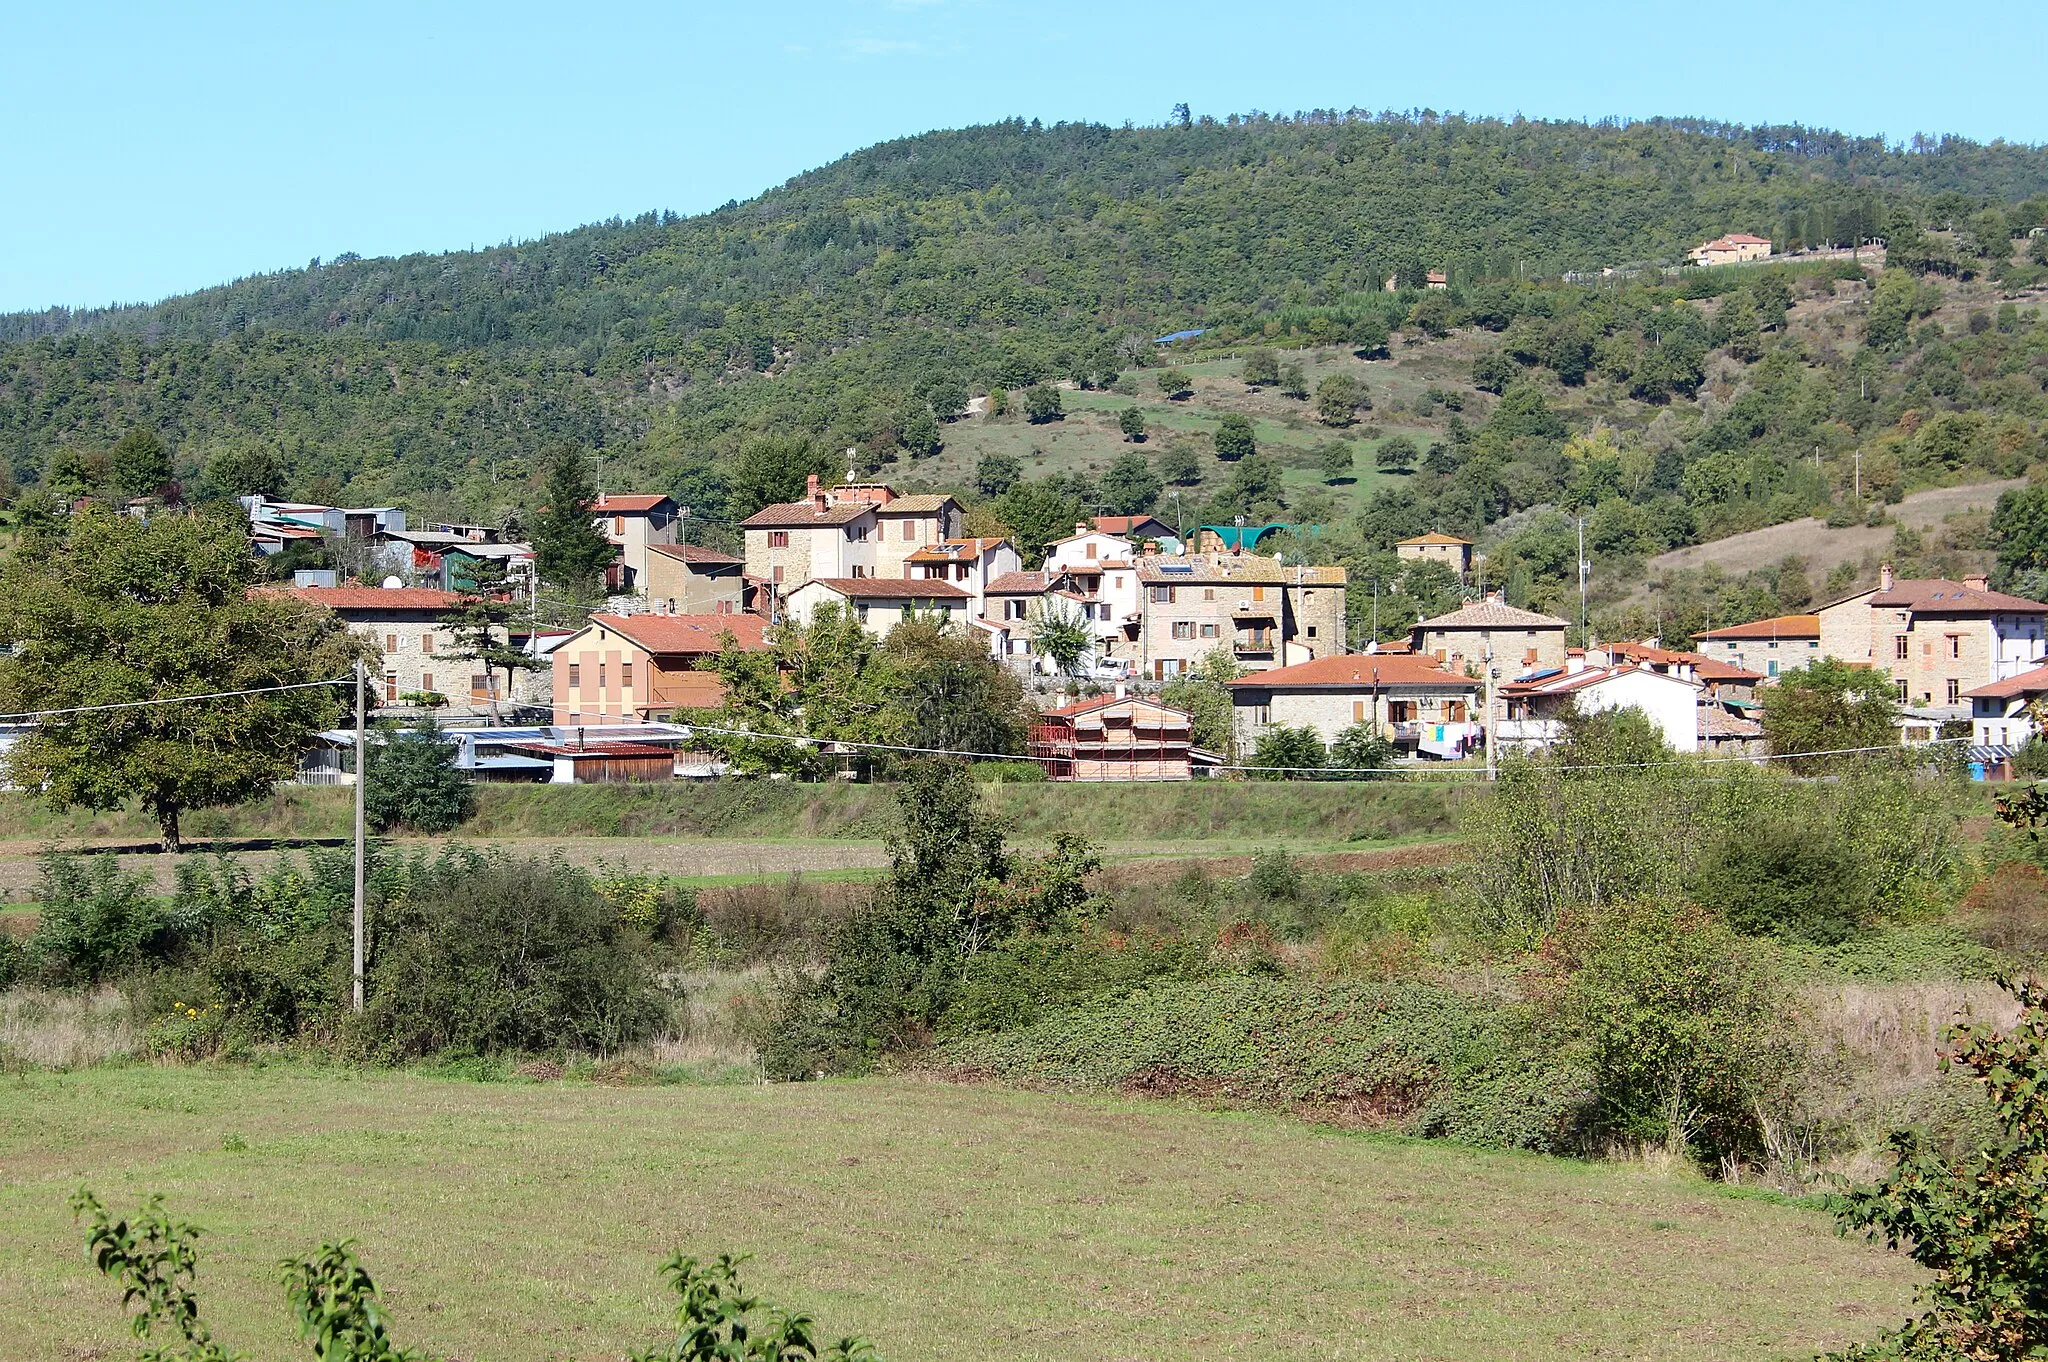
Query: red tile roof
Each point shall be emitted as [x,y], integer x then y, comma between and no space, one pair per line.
[1435,538]
[373,598]
[1127,524]
[1940,596]
[1492,615]
[1706,668]
[1352,671]
[698,634]
[1778,626]
[892,588]
[694,553]
[1090,705]
[1017,584]
[790,515]
[2033,682]
[628,503]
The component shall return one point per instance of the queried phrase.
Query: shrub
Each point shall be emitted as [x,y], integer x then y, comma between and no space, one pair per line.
[2008,910]
[414,782]
[1284,753]
[1795,881]
[1274,876]
[489,954]
[95,920]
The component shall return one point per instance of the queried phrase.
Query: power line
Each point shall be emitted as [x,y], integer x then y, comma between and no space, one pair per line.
[173,700]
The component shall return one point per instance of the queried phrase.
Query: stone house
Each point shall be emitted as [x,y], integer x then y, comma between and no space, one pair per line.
[1412,701]
[688,579]
[857,530]
[418,657]
[1518,641]
[1935,638]
[1266,613]
[1453,552]
[881,603]
[1781,643]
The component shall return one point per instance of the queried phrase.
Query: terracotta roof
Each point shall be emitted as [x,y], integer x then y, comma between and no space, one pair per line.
[664,634]
[628,503]
[271,529]
[923,504]
[1939,596]
[891,588]
[1716,722]
[1127,524]
[374,597]
[1017,584]
[1707,668]
[1492,615]
[695,553]
[791,515]
[1351,671]
[1778,626]
[1434,538]
[2033,682]
[1089,706]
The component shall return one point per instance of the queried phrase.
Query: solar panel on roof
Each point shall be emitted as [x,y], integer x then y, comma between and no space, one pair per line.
[1182,568]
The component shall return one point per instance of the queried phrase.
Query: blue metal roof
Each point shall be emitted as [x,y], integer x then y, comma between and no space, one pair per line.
[1179,336]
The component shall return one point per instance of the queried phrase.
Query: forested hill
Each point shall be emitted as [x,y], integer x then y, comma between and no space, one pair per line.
[991,255]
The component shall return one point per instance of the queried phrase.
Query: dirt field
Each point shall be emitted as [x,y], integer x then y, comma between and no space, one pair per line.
[1822,547]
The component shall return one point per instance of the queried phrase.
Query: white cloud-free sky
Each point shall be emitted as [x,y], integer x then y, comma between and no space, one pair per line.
[147,149]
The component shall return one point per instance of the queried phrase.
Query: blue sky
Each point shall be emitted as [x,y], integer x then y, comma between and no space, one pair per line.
[150,149]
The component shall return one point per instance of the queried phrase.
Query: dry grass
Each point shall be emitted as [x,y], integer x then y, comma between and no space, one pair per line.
[56,1030]
[524,1221]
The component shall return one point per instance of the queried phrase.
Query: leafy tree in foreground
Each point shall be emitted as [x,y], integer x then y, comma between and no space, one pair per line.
[1293,753]
[1977,1221]
[1829,706]
[1062,637]
[415,783]
[123,611]
[140,462]
[569,550]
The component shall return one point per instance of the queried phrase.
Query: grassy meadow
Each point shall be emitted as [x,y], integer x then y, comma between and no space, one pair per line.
[510,1221]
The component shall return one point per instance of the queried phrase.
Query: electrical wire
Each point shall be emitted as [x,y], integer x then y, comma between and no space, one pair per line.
[173,700]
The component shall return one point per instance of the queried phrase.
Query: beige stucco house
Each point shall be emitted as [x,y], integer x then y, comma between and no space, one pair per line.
[1937,639]
[856,530]
[632,668]
[1733,249]
[881,603]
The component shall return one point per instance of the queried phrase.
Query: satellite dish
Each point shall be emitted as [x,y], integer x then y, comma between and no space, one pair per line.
[393,583]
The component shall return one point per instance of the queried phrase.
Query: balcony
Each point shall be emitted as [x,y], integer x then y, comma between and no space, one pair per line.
[1254,645]
[1254,610]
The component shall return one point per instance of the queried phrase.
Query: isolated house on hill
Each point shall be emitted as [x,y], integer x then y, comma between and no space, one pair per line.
[1733,249]
[1453,552]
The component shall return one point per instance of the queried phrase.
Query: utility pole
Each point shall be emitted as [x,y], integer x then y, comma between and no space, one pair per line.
[1859,475]
[1492,756]
[1375,611]
[362,780]
[1584,566]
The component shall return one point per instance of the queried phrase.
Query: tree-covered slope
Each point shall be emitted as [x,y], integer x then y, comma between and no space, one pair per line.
[987,256]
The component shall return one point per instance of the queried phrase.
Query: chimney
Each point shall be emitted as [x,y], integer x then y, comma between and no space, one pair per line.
[815,493]
[1494,596]
[1977,581]
[1082,527]
[1885,577]
[1121,690]
[1151,548]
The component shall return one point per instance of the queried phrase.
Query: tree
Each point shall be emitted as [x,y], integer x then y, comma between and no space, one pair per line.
[1132,424]
[950,693]
[1061,636]
[1129,486]
[1369,336]
[1234,437]
[1176,384]
[1261,368]
[1974,1218]
[1493,371]
[1177,464]
[947,397]
[569,549]
[2019,526]
[123,611]
[414,782]
[1360,748]
[140,462]
[1396,454]
[1338,461]
[826,681]
[920,434]
[997,473]
[1289,753]
[479,626]
[243,470]
[772,469]
[1338,399]
[1292,382]
[1037,514]
[1829,706]
[1203,693]
[1431,314]
[1042,404]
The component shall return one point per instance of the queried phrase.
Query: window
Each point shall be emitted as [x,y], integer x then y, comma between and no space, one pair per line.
[1262,714]
[910,531]
[1902,692]
[480,685]
[1162,595]
[1772,644]
[1771,667]
[427,681]
[1358,711]
[427,644]
[1955,645]
[1955,691]
[1899,650]
[778,539]
[575,676]
[776,576]
[391,688]
[1091,550]
[960,572]
[619,526]
[860,612]
[600,676]
[1208,593]
[390,643]
[626,675]
[1183,629]
[1208,631]
[857,533]
[1102,613]
[1311,631]
[1013,610]
[1532,633]
[859,571]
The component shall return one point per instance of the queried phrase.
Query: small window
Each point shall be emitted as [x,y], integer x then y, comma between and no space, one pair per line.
[1955,691]
[1262,714]
[1900,651]
[1955,645]
[1183,629]
[619,526]
[1358,711]
[1532,633]
[1091,550]
[860,612]
[391,688]
[1163,595]
[1772,644]
[1771,667]
[480,684]
[575,676]
[427,644]
[390,643]
[1258,593]
[600,676]
[1902,692]
[1311,631]
[427,681]
[778,539]
[1208,631]
[626,675]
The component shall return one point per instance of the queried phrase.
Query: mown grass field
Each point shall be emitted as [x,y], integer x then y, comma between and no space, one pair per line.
[525,1221]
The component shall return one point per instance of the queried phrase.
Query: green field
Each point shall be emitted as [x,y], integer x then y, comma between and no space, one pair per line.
[525,1221]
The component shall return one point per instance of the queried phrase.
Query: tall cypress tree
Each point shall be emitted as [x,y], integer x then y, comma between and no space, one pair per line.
[569,549]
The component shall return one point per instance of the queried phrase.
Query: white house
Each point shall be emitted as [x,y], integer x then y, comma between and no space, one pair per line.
[1535,706]
[881,603]
[970,564]
[1998,712]
[1104,572]
[633,523]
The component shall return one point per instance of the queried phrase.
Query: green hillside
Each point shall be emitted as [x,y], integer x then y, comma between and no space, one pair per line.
[861,305]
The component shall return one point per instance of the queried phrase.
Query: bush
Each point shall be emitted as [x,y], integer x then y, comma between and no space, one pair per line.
[2008,910]
[1794,881]
[414,782]
[1285,753]
[489,954]
[96,922]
